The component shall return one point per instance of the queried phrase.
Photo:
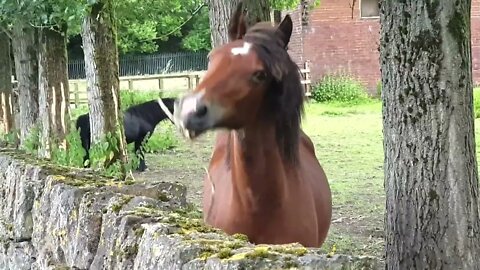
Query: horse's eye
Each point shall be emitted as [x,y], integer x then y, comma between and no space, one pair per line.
[259,76]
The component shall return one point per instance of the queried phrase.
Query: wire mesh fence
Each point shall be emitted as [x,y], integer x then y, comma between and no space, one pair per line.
[132,65]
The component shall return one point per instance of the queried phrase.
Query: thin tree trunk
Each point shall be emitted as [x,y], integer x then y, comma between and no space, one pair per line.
[6,82]
[432,218]
[101,67]
[59,81]
[53,87]
[221,10]
[45,100]
[277,16]
[26,69]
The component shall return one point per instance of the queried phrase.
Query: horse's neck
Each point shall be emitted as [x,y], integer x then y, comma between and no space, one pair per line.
[156,116]
[257,167]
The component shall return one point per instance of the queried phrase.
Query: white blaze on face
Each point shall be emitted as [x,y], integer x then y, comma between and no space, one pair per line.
[244,50]
[189,104]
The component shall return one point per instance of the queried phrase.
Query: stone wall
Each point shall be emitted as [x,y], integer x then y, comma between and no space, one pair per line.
[62,218]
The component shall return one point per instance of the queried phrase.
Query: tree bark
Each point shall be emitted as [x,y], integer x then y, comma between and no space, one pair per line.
[432,218]
[6,82]
[101,67]
[26,68]
[221,10]
[277,16]
[53,89]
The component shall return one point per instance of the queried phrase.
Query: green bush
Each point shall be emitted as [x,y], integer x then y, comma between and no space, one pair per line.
[132,97]
[74,156]
[339,88]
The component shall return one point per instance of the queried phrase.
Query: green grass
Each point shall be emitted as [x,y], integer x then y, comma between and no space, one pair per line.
[348,144]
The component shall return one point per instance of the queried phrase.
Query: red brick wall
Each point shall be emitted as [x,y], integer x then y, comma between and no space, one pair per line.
[334,41]
[475,29]
[295,47]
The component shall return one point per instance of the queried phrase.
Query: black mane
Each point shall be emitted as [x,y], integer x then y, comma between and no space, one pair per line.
[285,96]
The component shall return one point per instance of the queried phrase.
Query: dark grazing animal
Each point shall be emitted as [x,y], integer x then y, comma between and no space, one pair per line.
[138,121]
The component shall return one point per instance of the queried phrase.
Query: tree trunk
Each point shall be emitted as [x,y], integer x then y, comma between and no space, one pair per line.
[53,89]
[221,10]
[432,218]
[101,68]
[26,68]
[277,16]
[6,82]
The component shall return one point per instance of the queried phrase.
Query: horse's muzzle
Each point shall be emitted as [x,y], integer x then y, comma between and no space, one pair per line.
[192,116]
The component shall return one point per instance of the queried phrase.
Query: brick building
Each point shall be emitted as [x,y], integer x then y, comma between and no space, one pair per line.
[338,37]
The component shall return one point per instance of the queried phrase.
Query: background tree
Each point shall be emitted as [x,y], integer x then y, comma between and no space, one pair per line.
[53,88]
[24,40]
[54,95]
[5,81]
[101,68]
[221,10]
[35,26]
[432,218]
[14,16]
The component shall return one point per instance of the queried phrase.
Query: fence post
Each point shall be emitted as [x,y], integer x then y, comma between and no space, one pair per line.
[190,80]
[307,78]
[197,80]
[77,97]
[160,84]
[130,84]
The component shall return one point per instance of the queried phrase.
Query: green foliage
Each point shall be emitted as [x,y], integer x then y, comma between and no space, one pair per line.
[129,98]
[103,152]
[198,37]
[142,22]
[73,157]
[165,138]
[339,88]
[476,102]
[42,13]
[32,141]
[290,4]
[10,139]
[379,89]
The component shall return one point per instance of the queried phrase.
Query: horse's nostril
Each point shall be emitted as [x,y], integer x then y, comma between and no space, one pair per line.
[201,111]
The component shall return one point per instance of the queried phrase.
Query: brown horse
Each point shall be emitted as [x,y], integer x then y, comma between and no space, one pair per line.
[264,179]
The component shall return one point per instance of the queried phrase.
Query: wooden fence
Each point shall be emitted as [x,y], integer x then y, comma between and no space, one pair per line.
[306,79]
[174,83]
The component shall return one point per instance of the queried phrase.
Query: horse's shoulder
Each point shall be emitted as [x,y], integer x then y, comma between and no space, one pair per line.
[307,141]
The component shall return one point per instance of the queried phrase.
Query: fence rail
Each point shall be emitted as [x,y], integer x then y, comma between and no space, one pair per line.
[174,83]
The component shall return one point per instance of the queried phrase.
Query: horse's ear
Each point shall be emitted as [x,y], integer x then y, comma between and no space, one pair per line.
[237,25]
[284,30]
